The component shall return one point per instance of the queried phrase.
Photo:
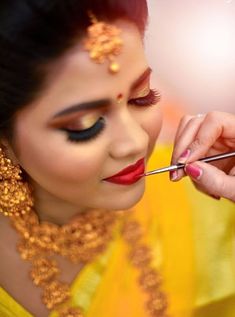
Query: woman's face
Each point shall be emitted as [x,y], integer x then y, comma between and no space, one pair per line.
[74,171]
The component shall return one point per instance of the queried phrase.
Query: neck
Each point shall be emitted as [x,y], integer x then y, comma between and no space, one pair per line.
[52,209]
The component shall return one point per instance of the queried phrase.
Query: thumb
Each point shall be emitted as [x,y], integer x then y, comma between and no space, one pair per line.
[211,180]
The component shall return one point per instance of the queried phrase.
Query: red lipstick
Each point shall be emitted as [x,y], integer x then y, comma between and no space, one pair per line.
[129,175]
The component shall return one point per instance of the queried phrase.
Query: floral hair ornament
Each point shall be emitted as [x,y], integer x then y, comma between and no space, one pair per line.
[103,43]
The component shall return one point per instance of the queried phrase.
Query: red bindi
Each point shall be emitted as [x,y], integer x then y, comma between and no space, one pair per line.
[119,98]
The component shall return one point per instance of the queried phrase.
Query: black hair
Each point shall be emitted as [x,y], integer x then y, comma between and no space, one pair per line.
[34,33]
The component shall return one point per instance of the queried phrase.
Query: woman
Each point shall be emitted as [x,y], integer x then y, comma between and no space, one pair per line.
[77,108]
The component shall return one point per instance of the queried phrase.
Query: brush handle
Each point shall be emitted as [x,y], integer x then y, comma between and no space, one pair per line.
[180,165]
[217,157]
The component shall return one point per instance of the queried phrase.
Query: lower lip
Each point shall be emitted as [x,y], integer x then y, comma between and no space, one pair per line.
[130,178]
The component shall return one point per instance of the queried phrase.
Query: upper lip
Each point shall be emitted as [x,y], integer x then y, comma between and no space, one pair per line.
[129,169]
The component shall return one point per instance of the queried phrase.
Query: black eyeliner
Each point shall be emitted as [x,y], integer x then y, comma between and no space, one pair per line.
[79,136]
[87,134]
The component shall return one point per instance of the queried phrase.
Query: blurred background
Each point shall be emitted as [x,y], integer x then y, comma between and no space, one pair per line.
[190,45]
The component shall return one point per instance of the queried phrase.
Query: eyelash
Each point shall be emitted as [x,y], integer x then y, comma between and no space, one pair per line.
[93,132]
[150,100]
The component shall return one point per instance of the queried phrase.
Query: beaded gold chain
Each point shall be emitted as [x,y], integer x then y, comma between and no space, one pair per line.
[80,241]
[149,278]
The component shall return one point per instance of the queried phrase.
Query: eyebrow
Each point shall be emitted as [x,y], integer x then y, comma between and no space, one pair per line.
[98,104]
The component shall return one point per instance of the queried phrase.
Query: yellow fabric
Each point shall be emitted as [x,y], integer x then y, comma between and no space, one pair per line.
[9,307]
[192,239]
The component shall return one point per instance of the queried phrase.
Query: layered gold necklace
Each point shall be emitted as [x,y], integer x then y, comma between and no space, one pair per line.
[80,241]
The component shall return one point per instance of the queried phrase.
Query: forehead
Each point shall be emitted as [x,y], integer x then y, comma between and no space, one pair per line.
[76,71]
[75,78]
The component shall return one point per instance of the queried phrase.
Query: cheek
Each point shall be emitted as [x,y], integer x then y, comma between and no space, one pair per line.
[152,124]
[55,161]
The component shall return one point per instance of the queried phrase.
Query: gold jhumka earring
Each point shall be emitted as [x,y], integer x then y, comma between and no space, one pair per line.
[15,194]
[82,239]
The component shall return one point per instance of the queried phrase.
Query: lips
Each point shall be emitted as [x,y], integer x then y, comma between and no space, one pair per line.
[129,175]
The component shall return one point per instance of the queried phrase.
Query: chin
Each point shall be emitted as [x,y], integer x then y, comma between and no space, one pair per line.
[125,199]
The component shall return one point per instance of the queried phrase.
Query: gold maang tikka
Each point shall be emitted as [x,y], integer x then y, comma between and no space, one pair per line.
[16,198]
[103,43]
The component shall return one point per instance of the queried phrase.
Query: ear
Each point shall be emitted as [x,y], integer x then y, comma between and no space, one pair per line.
[8,150]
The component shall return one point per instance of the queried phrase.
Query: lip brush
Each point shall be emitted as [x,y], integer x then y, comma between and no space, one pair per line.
[180,165]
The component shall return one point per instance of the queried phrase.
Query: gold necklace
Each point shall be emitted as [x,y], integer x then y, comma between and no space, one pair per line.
[81,241]
[149,278]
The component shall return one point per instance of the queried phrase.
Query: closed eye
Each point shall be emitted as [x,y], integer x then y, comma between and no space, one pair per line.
[151,99]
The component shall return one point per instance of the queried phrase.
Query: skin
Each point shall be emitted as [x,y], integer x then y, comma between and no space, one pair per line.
[67,177]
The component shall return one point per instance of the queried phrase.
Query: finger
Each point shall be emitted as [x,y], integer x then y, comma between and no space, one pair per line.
[184,138]
[200,189]
[183,122]
[181,126]
[211,180]
[232,172]
[214,126]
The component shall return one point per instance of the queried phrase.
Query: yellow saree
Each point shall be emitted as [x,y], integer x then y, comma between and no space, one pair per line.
[192,240]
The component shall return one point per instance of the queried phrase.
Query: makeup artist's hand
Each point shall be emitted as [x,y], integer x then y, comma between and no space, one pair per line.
[201,136]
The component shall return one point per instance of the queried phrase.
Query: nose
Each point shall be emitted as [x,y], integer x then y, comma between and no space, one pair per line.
[129,139]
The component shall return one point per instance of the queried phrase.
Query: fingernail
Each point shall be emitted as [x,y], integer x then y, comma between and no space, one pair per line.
[194,171]
[184,156]
[216,197]
[173,175]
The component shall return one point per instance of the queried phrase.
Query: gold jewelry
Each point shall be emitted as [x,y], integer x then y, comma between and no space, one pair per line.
[15,195]
[103,42]
[79,241]
[149,279]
